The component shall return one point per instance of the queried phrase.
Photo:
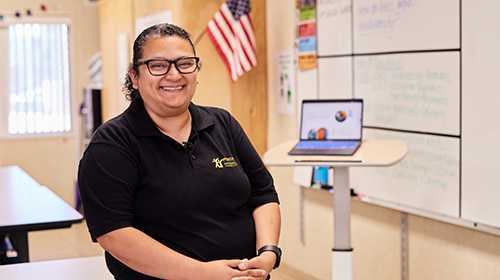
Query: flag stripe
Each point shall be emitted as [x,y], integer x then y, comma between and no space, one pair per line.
[247,48]
[231,39]
[222,26]
[219,48]
[247,22]
[228,17]
[222,49]
[231,32]
[247,27]
[243,58]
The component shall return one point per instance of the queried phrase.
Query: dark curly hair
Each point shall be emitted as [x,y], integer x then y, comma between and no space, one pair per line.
[155,31]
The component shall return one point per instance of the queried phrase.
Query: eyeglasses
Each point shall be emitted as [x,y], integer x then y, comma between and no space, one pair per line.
[160,67]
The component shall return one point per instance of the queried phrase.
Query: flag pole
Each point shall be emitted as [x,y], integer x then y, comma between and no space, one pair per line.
[200,36]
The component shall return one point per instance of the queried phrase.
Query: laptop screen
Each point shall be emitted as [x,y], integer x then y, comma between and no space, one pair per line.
[331,119]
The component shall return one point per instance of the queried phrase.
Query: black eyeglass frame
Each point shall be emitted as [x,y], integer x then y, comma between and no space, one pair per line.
[170,63]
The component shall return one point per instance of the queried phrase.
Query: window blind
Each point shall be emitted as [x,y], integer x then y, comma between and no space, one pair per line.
[39,79]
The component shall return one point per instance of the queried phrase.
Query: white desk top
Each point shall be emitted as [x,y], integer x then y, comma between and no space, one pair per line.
[370,153]
[26,205]
[74,269]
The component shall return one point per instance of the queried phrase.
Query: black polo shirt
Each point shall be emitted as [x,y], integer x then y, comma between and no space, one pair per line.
[197,199]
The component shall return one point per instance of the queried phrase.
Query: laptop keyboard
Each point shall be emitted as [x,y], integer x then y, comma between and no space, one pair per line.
[325,145]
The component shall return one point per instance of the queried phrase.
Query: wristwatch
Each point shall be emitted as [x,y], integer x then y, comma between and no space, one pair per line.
[272,248]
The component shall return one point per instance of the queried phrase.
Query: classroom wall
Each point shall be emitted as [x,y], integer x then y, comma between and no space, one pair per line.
[52,161]
[115,18]
[436,250]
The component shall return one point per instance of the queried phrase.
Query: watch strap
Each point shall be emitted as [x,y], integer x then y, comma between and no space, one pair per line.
[272,248]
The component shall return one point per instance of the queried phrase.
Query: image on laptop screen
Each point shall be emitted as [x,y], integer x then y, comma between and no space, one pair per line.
[331,120]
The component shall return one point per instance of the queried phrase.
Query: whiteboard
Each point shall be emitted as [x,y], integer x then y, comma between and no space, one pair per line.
[307,88]
[481,106]
[402,25]
[307,84]
[334,27]
[410,91]
[427,178]
[428,72]
[335,78]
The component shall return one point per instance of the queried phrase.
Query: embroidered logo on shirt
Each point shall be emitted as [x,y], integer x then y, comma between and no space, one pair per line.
[226,162]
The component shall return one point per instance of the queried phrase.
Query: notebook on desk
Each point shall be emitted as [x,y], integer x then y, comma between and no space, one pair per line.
[330,127]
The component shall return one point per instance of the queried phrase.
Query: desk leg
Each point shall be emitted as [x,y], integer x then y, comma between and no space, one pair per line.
[342,250]
[20,242]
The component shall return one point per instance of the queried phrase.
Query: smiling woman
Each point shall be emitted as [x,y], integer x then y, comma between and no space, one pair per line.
[174,190]
[166,91]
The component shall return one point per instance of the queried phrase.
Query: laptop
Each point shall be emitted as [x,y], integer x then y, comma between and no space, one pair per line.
[330,127]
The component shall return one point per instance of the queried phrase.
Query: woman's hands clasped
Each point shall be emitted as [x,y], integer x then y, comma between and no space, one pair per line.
[263,262]
[231,270]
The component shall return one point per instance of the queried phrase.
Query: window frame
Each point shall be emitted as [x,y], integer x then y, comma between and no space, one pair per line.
[4,81]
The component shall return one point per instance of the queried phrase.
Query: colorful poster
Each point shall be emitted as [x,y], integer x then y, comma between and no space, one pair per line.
[307,61]
[307,44]
[307,14]
[306,34]
[307,29]
[300,4]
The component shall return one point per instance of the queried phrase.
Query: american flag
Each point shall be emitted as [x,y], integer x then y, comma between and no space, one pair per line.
[231,31]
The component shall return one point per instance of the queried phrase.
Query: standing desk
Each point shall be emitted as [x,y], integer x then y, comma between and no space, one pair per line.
[88,268]
[27,206]
[371,153]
